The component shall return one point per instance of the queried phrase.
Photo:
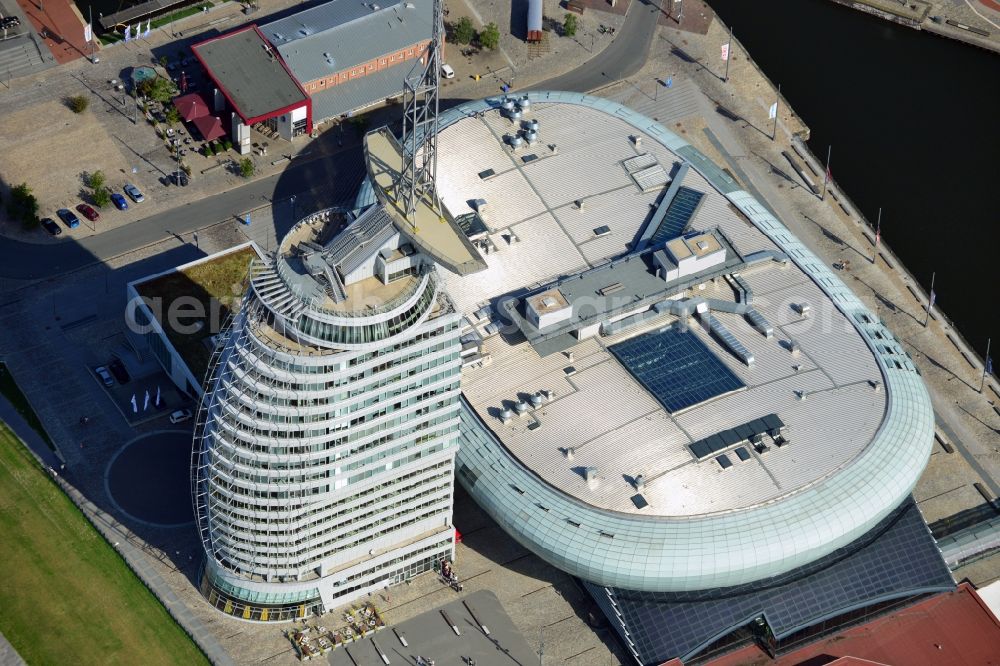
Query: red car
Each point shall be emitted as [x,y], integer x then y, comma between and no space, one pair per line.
[88,212]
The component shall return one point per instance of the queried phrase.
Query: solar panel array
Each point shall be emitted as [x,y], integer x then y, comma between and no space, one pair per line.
[896,559]
[682,209]
[676,368]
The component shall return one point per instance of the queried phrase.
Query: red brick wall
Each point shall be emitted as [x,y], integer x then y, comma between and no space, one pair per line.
[382,62]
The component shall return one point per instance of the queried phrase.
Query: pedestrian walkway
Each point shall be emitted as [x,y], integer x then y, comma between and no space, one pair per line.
[60,25]
[20,56]
[8,655]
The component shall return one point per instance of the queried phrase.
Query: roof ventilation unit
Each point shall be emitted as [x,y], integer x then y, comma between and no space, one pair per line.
[533,125]
[570,452]
[506,415]
[536,400]
[507,105]
[521,407]
[640,483]
[590,474]
[525,104]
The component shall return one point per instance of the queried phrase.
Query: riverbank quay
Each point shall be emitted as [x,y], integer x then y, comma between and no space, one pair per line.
[975,22]
[727,118]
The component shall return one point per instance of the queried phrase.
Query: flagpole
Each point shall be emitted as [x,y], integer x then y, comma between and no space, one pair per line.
[930,301]
[986,366]
[777,100]
[826,176]
[878,236]
[729,54]
[90,12]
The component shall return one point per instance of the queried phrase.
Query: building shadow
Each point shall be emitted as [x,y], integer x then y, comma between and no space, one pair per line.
[481,534]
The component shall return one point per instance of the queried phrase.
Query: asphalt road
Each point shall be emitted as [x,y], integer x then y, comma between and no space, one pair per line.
[30,261]
[336,176]
[621,59]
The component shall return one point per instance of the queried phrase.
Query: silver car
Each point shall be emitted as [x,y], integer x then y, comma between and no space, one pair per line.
[133,192]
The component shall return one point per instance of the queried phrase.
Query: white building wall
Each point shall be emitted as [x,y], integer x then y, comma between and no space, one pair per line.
[329,466]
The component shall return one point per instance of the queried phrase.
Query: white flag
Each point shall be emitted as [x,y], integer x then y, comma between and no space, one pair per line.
[157,396]
[772,113]
[145,402]
[135,408]
[128,33]
[88,33]
[149,23]
[725,51]
[138,30]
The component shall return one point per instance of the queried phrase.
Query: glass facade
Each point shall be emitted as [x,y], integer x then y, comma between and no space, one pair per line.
[308,461]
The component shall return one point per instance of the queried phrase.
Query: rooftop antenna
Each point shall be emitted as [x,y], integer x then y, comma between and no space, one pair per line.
[420,127]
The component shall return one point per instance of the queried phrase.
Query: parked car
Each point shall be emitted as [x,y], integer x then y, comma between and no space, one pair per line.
[67,216]
[105,376]
[447,71]
[88,212]
[179,178]
[133,192]
[117,368]
[119,201]
[180,416]
[50,226]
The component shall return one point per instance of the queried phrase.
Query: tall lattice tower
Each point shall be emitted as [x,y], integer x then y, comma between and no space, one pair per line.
[420,125]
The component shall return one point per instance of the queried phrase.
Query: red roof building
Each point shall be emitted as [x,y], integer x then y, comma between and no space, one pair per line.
[948,629]
[191,106]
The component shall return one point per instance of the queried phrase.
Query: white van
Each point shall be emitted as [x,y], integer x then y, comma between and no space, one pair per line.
[447,72]
[180,416]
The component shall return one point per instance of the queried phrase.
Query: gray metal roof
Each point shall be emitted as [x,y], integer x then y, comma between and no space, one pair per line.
[587,291]
[832,483]
[362,92]
[251,77]
[339,34]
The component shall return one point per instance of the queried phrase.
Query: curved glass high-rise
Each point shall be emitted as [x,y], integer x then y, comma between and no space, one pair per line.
[324,452]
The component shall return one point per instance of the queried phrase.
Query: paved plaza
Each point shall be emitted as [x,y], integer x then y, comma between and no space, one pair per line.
[485,635]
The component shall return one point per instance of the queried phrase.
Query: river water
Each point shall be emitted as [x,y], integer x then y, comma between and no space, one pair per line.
[914,122]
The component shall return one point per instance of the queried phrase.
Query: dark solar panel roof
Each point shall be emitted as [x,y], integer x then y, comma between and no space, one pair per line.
[744,432]
[896,559]
[682,209]
[676,368]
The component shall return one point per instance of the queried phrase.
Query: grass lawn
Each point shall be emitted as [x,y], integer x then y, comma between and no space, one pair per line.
[67,596]
[222,280]
[112,37]
[10,390]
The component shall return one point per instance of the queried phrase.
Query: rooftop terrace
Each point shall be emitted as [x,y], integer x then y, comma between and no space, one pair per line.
[216,284]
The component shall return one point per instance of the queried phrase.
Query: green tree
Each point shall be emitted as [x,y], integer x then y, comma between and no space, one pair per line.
[463,31]
[489,38]
[23,205]
[164,61]
[158,88]
[569,25]
[78,103]
[172,115]
[246,167]
[101,197]
[96,180]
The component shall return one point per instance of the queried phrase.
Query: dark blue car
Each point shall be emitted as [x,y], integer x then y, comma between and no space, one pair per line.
[119,201]
[67,216]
